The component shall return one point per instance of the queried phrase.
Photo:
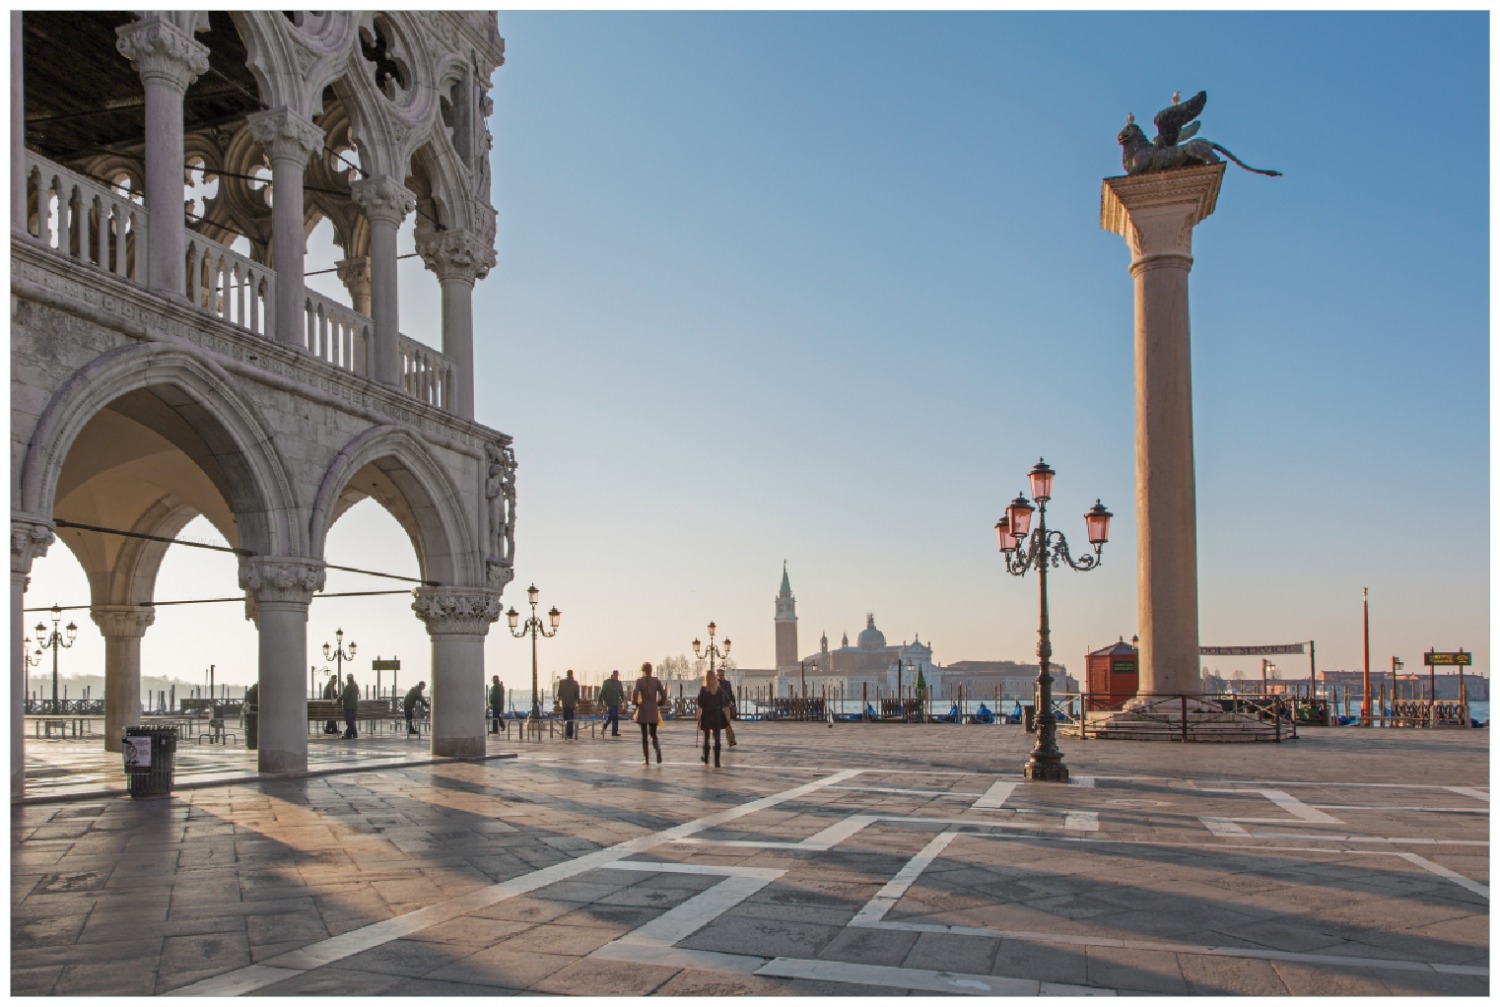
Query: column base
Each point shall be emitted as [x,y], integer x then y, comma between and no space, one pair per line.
[272,761]
[1042,772]
[458,748]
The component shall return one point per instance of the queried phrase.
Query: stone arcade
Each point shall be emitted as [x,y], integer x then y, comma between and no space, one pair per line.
[168,365]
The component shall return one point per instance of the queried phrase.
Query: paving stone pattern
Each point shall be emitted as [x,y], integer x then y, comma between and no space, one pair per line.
[860,860]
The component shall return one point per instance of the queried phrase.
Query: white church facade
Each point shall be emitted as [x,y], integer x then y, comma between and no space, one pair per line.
[168,360]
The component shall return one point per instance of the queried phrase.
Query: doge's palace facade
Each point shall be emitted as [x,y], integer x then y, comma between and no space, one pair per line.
[167,360]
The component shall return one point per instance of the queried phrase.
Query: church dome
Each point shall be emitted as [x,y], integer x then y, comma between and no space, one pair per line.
[871,638]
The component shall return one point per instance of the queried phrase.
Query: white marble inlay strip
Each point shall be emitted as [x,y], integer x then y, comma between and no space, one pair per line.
[682,921]
[917,979]
[996,796]
[1482,891]
[254,977]
[1286,802]
[717,870]
[1178,949]
[684,958]
[888,895]
[1084,821]
[827,839]
[907,790]
[1393,807]
[1320,838]
[1478,795]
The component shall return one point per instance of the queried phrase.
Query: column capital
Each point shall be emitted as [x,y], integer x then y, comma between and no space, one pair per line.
[456,611]
[1156,212]
[29,539]
[281,579]
[285,134]
[162,52]
[383,199]
[456,255]
[123,620]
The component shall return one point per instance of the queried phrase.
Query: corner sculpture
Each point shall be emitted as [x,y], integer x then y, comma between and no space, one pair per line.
[1175,146]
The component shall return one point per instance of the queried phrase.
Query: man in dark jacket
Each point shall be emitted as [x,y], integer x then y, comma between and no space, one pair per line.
[331,691]
[612,694]
[351,707]
[726,696]
[567,698]
[497,703]
[409,705]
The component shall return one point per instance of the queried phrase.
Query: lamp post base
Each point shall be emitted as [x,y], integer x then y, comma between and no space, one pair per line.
[1046,772]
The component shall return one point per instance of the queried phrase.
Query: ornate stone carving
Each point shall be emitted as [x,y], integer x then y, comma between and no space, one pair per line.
[282,133]
[162,52]
[383,199]
[123,620]
[28,541]
[290,579]
[456,255]
[356,276]
[1175,146]
[500,492]
[464,611]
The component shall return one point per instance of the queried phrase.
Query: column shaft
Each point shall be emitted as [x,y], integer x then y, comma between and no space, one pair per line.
[458,342]
[457,678]
[283,705]
[385,305]
[18,214]
[18,684]
[122,626]
[289,248]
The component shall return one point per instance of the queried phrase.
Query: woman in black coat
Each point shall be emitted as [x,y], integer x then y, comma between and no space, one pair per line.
[711,716]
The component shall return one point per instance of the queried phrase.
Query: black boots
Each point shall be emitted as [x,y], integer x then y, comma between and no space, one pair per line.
[705,755]
[657,745]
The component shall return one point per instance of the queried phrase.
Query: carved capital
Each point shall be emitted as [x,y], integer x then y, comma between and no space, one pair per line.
[288,580]
[123,620]
[383,199]
[456,255]
[29,540]
[162,52]
[466,611]
[284,134]
[1156,212]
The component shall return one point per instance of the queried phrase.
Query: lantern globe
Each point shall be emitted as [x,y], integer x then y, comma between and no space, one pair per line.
[1041,481]
[726,646]
[531,594]
[1019,513]
[697,647]
[1002,532]
[554,617]
[1097,519]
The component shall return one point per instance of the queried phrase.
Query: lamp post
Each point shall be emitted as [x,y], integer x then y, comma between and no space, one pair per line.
[713,652]
[338,654]
[1396,665]
[1046,548]
[33,657]
[533,629]
[55,641]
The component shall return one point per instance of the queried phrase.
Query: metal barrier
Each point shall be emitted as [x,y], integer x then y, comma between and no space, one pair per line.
[1177,716]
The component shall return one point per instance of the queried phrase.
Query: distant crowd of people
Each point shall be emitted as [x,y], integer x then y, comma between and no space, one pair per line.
[716,709]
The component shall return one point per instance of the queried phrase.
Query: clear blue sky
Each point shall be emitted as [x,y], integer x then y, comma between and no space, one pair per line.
[822,287]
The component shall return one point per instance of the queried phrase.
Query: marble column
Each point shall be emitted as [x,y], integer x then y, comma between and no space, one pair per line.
[122,627]
[280,589]
[1155,213]
[168,59]
[18,214]
[386,203]
[355,274]
[459,258]
[288,139]
[29,539]
[458,619]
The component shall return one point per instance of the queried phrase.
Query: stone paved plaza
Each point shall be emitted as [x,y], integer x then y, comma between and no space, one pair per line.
[858,860]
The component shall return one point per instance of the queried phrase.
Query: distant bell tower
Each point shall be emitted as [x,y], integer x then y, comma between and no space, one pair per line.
[786,625]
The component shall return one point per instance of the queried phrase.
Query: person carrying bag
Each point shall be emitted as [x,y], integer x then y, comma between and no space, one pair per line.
[649,696]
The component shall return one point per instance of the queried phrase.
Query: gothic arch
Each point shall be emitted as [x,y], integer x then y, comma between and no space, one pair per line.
[250,474]
[417,492]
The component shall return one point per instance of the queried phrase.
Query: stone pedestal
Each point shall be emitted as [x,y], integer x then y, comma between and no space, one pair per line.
[1155,214]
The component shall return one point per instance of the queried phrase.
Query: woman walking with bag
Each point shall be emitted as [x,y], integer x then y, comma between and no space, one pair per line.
[711,714]
[648,696]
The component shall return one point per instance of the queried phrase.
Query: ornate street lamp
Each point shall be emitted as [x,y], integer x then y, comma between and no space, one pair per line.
[338,654]
[1046,548]
[533,629]
[713,652]
[54,641]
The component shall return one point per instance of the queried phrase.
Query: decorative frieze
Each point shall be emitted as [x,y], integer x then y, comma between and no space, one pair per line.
[459,611]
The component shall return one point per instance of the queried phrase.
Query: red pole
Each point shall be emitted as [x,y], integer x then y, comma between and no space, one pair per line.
[1364,702]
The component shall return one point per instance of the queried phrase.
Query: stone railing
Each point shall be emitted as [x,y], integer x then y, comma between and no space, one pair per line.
[339,335]
[426,375]
[230,287]
[84,220]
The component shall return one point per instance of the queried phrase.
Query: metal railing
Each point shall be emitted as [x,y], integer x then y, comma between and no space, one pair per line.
[1177,716]
[79,707]
[84,220]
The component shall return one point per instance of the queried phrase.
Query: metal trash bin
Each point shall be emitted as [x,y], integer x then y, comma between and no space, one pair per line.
[149,754]
[1028,717]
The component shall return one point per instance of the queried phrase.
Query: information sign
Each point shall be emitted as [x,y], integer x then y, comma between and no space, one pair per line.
[1447,657]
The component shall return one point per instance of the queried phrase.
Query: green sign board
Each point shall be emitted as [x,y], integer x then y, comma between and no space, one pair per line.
[1439,657]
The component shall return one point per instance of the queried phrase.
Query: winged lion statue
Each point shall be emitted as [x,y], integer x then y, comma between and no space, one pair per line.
[1177,144]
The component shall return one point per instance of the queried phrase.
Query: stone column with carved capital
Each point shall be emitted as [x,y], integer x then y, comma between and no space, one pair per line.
[168,59]
[288,139]
[458,619]
[386,203]
[29,538]
[282,588]
[1155,213]
[459,258]
[355,274]
[122,627]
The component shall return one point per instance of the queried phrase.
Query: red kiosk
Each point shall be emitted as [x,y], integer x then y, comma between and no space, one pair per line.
[1114,675]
